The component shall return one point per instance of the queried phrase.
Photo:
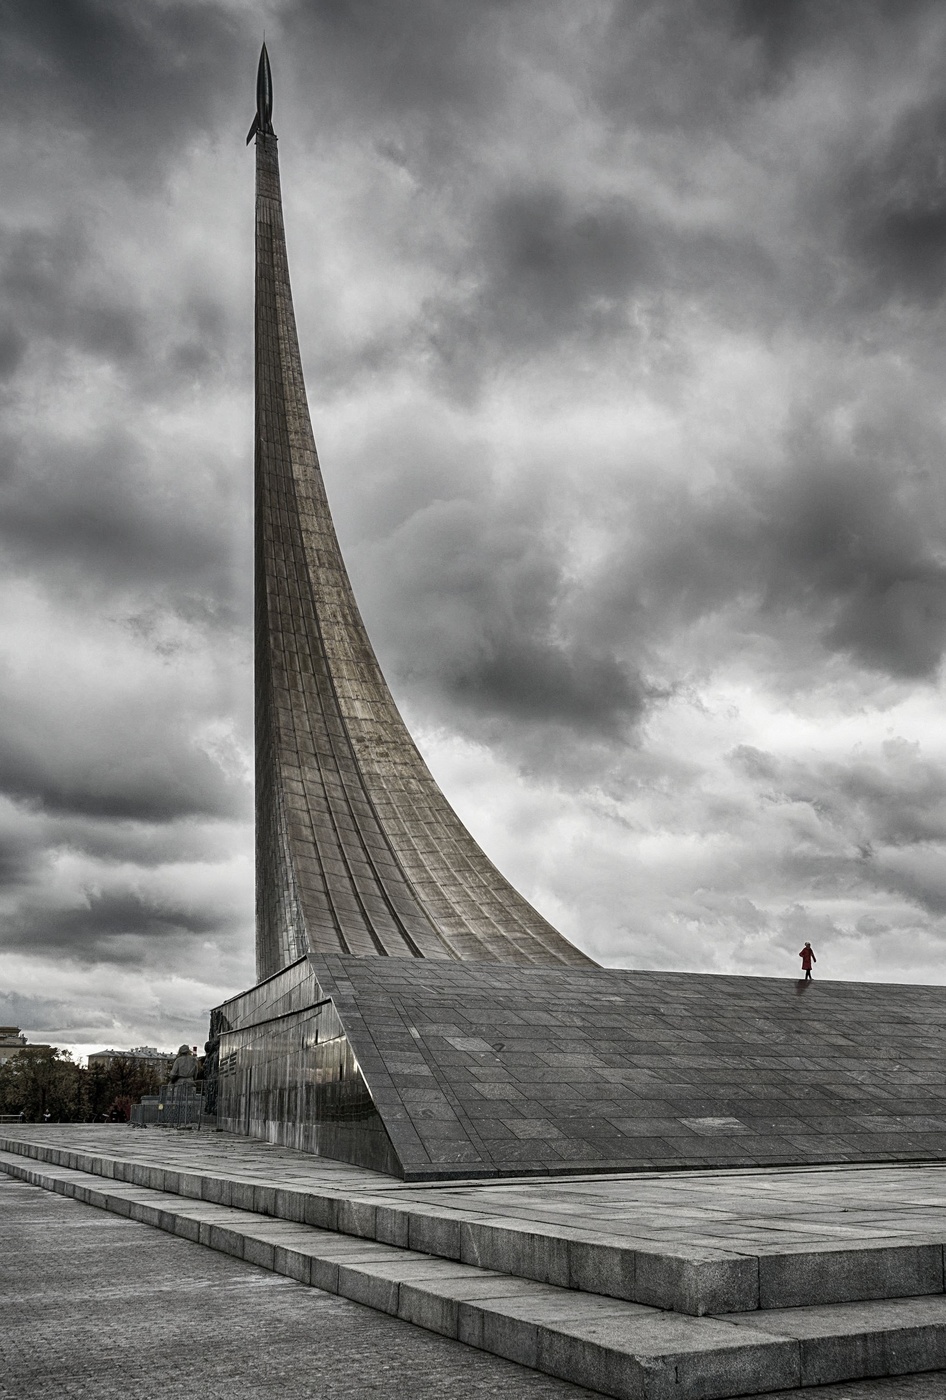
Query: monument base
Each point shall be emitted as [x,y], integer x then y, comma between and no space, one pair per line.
[436,1070]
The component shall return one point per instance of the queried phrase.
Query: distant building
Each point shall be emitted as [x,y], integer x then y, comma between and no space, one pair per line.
[159,1060]
[12,1041]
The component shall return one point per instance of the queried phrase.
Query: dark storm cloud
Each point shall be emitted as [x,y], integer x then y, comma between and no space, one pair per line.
[99,1021]
[107,847]
[895,202]
[60,290]
[552,269]
[18,853]
[556,260]
[844,540]
[479,615]
[846,535]
[901,795]
[871,201]
[896,797]
[115,538]
[118,925]
[673,67]
[882,807]
[921,887]
[793,30]
[141,765]
[153,777]
[135,80]
[19,1010]
[697,67]
[12,349]
[41,287]
[559,273]
[523,679]
[102,510]
[550,258]
[427,65]
[147,844]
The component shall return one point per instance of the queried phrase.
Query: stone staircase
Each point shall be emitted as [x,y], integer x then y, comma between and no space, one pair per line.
[633,1320]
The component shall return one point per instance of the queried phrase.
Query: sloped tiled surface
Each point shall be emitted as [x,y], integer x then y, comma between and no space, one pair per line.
[504,1070]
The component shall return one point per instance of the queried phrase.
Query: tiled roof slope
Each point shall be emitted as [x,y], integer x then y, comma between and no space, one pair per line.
[478,1068]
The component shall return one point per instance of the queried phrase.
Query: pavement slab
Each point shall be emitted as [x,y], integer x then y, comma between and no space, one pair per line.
[97,1307]
[698,1242]
[624,1349]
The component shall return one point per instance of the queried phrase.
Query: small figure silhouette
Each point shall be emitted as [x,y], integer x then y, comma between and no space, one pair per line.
[807,956]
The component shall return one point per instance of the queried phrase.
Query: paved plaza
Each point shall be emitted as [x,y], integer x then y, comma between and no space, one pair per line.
[101,1308]
[735,1212]
[673,1286]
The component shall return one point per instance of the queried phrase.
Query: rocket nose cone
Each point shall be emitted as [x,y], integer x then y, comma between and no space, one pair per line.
[264,87]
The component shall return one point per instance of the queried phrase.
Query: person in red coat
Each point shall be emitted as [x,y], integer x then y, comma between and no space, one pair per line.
[807,956]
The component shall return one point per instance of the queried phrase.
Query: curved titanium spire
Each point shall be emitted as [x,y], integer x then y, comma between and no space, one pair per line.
[263,121]
[358,851]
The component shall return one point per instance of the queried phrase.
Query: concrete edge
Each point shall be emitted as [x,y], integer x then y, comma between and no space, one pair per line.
[625,1350]
[695,1282]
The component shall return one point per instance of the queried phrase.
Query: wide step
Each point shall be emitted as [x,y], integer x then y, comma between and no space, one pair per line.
[619,1348]
[683,1276]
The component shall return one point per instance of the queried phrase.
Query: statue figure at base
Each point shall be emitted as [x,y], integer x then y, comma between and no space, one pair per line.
[182,1080]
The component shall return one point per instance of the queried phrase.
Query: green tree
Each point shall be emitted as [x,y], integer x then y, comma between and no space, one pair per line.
[39,1080]
[121,1083]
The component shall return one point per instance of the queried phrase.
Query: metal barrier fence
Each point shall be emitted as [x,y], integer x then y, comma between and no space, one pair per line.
[179,1111]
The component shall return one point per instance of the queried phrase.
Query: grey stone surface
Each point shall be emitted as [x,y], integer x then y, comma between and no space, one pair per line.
[697,1242]
[793,1278]
[674,1358]
[687,1278]
[624,1349]
[358,850]
[852,1340]
[100,1308]
[921,1387]
[606,1069]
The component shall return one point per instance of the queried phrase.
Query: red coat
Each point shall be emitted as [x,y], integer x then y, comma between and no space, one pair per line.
[807,958]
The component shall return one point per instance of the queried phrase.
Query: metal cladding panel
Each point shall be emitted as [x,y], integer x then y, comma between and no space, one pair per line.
[358,850]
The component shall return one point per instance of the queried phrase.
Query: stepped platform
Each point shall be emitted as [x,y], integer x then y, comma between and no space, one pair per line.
[696,1285]
[431,1069]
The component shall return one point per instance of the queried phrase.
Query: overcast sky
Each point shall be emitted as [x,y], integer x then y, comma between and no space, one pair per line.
[624,333]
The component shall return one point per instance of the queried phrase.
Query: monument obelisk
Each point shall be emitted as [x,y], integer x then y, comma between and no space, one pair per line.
[414,1014]
[357,849]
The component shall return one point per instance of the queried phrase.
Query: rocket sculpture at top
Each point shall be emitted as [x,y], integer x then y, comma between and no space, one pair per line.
[357,849]
[263,121]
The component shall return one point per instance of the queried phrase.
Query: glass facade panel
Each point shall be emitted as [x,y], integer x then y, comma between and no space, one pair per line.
[293,989]
[294,1080]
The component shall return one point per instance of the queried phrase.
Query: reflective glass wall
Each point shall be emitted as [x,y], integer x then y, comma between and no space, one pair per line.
[294,1080]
